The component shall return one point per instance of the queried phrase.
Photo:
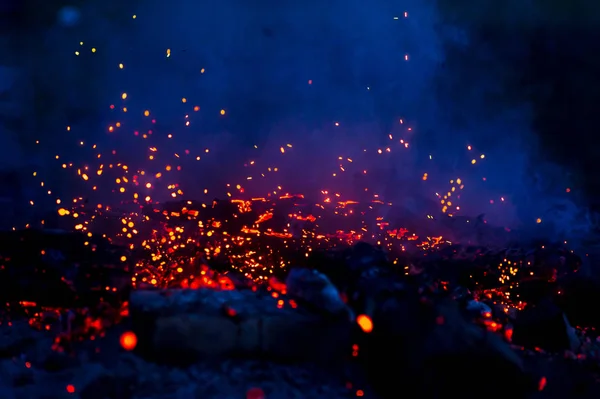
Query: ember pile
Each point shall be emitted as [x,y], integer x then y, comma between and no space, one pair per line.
[258,299]
[112,292]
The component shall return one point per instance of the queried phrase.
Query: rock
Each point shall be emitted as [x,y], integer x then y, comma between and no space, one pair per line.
[438,352]
[478,309]
[16,373]
[452,332]
[184,325]
[544,326]
[96,382]
[195,336]
[15,338]
[315,289]
[58,361]
[126,374]
[575,297]
[305,337]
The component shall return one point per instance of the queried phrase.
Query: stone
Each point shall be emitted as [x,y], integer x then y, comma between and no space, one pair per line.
[185,325]
[544,326]
[95,382]
[15,338]
[195,335]
[577,296]
[438,352]
[482,357]
[250,337]
[58,361]
[16,373]
[305,337]
[315,289]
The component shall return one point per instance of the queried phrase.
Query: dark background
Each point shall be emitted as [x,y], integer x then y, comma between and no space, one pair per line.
[550,52]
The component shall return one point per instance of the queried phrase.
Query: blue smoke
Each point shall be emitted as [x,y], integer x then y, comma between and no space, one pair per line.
[287,73]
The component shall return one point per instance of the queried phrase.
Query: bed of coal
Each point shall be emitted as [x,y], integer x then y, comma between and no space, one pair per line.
[198,313]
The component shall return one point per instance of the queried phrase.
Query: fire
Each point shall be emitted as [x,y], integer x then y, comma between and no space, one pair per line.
[542,384]
[365,323]
[128,341]
[261,225]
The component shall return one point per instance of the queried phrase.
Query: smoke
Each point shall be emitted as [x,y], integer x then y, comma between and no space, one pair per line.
[331,79]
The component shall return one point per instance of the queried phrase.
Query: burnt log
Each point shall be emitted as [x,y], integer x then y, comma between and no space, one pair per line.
[438,353]
[187,325]
[545,326]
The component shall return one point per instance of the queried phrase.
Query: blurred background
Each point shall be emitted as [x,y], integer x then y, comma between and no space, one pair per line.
[514,81]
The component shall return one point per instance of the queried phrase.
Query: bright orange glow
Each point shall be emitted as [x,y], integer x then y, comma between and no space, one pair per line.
[128,341]
[365,323]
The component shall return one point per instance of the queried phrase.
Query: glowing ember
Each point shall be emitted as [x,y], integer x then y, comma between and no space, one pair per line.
[255,393]
[152,198]
[128,341]
[542,384]
[365,323]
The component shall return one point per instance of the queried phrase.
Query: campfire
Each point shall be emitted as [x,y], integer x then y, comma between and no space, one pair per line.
[348,294]
[152,277]
[284,280]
